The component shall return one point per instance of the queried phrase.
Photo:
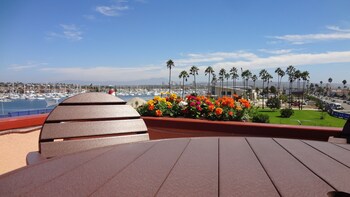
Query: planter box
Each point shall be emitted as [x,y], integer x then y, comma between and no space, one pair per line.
[160,128]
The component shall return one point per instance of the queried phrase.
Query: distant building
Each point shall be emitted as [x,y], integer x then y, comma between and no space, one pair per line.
[229,91]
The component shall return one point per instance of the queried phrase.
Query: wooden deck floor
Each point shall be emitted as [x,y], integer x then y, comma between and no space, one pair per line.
[211,166]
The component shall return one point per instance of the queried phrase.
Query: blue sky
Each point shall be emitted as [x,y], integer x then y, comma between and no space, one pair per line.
[125,40]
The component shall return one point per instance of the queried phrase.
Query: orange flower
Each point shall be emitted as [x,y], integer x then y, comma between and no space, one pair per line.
[159,113]
[218,111]
[211,107]
[231,104]
[230,113]
[151,107]
[245,103]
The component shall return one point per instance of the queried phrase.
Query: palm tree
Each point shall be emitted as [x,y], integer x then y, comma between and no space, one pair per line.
[297,75]
[234,76]
[209,71]
[184,75]
[291,76]
[214,80]
[267,78]
[194,72]
[222,74]
[280,74]
[305,76]
[262,75]
[344,83]
[227,76]
[254,78]
[169,65]
[246,75]
[330,87]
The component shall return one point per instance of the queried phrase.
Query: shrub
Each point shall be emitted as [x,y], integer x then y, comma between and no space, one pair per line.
[286,113]
[262,118]
[273,103]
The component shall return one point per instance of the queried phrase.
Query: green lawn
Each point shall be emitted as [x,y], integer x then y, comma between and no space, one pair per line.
[306,117]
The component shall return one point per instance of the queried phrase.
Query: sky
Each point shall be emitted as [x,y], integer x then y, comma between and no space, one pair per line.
[127,40]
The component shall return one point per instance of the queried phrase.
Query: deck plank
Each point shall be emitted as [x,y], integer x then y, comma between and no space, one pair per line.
[93,128]
[102,169]
[335,173]
[93,97]
[290,177]
[92,112]
[51,149]
[346,146]
[338,153]
[20,181]
[241,174]
[196,172]
[145,176]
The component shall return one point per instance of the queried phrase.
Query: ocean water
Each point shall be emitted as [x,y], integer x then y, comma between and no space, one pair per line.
[26,105]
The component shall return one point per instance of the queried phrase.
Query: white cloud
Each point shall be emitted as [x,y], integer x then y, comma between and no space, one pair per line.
[69,32]
[336,34]
[290,59]
[111,10]
[227,61]
[89,17]
[276,52]
[337,28]
[141,1]
[103,73]
[194,58]
[22,67]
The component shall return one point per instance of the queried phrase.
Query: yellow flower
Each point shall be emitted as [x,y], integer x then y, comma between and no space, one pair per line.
[162,100]
[150,102]
[173,96]
[169,104]
[157,98]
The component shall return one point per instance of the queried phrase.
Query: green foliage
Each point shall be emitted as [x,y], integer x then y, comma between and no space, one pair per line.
[262,118]
[273,103]
[283,97]
[287,112]
[273,90]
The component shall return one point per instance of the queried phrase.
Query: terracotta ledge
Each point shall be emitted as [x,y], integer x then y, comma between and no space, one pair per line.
[160,128]
[22,122]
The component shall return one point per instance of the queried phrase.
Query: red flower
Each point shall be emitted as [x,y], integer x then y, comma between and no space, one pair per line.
[150,107]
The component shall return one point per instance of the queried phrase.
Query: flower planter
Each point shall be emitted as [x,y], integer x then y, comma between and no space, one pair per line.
[164,127]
